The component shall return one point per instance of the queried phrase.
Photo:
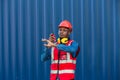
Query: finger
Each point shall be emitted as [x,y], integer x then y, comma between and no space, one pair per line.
[44,40]
[52,37]
[48,41]
[46,45]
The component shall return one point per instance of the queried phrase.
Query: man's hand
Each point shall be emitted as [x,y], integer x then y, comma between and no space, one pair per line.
[49,43]
[52,38]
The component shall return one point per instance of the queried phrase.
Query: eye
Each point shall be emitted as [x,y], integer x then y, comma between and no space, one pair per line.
[65,30]
[60,29]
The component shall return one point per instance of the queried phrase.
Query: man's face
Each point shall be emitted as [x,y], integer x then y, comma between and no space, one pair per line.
[64,32]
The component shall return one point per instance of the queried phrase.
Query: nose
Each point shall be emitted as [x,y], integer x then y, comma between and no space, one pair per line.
[61,31]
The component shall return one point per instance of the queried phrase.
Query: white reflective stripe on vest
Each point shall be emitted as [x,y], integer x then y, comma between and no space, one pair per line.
[52,50]
[68,55]
[62,71]
[70,42]
[64,61]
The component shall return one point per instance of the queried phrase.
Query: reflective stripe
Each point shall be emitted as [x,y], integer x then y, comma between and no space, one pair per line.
[52,53]
[64,61]
[68,56]
[62,71]
[70,42]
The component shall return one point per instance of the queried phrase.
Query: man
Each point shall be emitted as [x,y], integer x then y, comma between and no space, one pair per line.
[62,53]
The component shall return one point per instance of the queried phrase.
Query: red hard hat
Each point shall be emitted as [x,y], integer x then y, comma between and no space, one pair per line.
[66,24]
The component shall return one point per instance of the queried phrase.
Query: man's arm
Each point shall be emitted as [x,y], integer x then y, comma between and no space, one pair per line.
[73,48]
[46,55]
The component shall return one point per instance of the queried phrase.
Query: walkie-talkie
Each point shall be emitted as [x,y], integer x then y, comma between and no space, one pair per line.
[53,36]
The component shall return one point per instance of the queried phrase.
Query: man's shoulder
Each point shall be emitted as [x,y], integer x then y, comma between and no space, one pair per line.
[73,42]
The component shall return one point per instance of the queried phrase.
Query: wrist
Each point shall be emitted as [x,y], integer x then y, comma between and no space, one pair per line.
[54,45]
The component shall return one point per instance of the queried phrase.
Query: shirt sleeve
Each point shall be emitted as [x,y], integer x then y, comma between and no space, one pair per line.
[46,55]
[71,49]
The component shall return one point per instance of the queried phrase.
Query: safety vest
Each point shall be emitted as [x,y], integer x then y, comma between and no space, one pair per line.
[63,65]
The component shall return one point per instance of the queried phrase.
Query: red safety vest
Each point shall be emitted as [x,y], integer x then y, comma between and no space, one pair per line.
[64,67]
